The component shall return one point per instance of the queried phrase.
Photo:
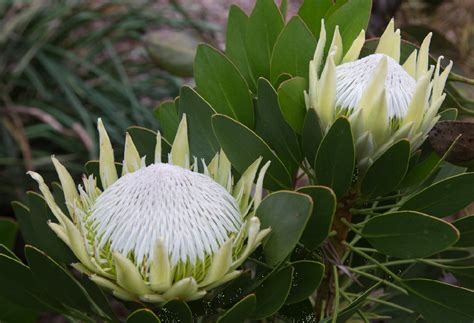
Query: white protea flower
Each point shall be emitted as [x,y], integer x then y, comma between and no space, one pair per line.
[163,231]
[383,100]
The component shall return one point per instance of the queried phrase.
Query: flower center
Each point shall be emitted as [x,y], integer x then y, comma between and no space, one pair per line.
[191,212]
[354,77]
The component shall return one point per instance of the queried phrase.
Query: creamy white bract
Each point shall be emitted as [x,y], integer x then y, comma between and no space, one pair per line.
[163,231]
[383,100]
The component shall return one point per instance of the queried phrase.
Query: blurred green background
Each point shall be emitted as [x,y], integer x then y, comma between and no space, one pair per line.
[63,64]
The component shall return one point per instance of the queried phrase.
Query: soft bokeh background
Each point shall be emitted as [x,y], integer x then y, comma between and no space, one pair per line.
[63,64]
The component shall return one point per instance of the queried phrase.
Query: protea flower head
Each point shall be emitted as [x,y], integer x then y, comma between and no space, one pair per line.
[163,231]
[383,99]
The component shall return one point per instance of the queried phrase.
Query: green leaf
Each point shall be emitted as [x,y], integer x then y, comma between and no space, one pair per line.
[59,283]
[221,84]
[351,18]
[98,297]
[176,311]
[17,284]
[312,135]
[465,226]
[12,313]
[307,276]
[418,172]
[8,230]
[265,24]
[287,214]
[240,311]
[440,302]
[232,135]
[143,315]
[336,158]
[145,141]
[320,222]
[202,141]
[22,214]
[312,11]
[167,116]
[234,291]
[292,103]
[272,127]
[443,198]
[299,312]
[235,43]
[272,293]
[46,239]
[384,175]
[448,114]
[409,234]
[293,50]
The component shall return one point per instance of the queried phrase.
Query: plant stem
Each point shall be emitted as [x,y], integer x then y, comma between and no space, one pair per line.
[366,256]
[378,279]
[390,304]
[459,78]
[336,298]
[370,209]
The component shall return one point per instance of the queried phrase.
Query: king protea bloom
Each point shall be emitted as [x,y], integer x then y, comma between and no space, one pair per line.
[385,100]
[163,231]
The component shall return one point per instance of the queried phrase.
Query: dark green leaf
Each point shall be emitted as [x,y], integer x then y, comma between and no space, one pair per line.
[59,283]
[443,198]
[232,135]
[272,293]
[265,24]
[234,291]
[143,315]
[17,284]
[221,84]
[202,141]
[292,104]
[409,234]
[272,127]
[448,114]
[301,312]
[145,141]
[176,311]
[22,214]
[465,226]
[47,240]
[336,158]
[240,311]
[167,116]
[8,229]
[440,302]
[387,171]
[312,135]
[293,50]
[351,18]
[12,313]
[235,43]
[312,11]
[307,276]
[320,223]
[287,214]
